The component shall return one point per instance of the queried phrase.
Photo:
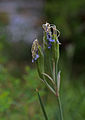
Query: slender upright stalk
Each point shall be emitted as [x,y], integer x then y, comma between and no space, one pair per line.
[56,71]
[60,107]
[57,94]
[42,106]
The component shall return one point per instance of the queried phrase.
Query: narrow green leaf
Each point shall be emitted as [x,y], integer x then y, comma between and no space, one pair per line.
[49,78]
[52,90]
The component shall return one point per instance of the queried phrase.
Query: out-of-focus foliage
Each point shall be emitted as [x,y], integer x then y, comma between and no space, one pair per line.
[18,81]
[4,19]
[72,90]
[18,99]
[68,15]
[17,85]
[18,96]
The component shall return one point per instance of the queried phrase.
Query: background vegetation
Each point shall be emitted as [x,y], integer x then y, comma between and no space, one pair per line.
[19,78]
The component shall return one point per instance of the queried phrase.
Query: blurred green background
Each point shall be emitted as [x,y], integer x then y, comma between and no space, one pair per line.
[20,22]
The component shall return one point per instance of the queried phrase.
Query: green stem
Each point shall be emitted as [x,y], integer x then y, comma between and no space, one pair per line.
[56,71]
[42,106]
[58,97]
[60,108]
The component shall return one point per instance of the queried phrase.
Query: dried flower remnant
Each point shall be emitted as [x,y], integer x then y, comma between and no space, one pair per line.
[34,50]
[46,26]
[50,34]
